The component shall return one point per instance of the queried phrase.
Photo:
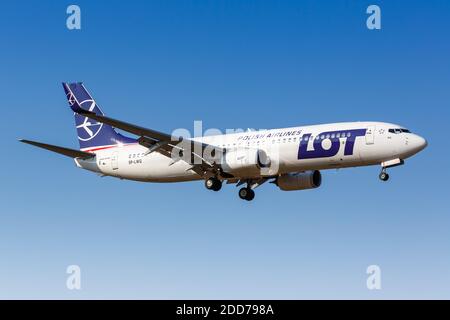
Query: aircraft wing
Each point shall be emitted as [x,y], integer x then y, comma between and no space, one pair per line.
[165,143]
[61,150]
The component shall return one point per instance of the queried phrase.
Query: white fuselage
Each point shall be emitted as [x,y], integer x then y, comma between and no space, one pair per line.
[297,149]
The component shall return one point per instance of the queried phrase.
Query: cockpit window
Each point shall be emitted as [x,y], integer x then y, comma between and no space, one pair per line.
[399,130]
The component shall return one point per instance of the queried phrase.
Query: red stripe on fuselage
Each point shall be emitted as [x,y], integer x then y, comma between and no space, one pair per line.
[108,147]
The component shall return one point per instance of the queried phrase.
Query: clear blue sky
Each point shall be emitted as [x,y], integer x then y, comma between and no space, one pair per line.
[231,64]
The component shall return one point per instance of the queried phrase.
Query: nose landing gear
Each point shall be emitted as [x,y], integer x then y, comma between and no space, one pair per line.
[389,164]
[383,175]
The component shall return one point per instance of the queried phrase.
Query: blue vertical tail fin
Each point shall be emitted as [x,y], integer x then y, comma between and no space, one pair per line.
[90,133]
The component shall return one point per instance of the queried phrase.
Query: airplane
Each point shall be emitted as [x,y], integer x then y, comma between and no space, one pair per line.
[291,158]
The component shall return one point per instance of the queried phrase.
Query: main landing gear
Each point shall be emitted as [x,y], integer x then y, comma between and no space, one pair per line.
[213,184]
[383,175]
[246,193]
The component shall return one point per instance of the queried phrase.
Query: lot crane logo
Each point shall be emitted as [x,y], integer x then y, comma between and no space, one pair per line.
[71,98]
[87,128]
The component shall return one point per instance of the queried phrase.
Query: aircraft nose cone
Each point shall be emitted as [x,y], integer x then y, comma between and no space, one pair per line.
[419,143]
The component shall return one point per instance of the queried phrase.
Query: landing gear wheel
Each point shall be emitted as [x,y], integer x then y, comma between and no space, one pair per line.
[384,176]
[246,194]
[213,184]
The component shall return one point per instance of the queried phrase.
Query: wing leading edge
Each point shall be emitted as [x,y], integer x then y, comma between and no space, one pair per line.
[166,144]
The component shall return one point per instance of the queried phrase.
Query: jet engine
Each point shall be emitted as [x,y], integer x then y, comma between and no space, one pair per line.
[245,162]
[299,181]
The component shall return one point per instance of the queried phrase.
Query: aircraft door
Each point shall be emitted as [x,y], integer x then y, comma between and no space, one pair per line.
[370,135]
[115,160]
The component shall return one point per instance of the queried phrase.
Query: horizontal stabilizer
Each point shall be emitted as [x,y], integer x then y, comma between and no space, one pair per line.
[61,150]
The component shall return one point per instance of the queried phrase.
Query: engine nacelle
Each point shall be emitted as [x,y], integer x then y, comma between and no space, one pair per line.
[300,181]
[245,162]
